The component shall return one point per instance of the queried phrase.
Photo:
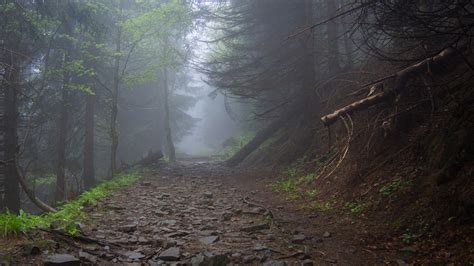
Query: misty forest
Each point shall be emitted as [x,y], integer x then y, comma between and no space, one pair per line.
[236,132]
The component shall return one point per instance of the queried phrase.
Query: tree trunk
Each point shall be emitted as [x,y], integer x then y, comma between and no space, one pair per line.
[332,32]
[88,164]
[115,95]
[309,77]
[263,135]
[11,85]
[170,150]
[347,44]
[62,138]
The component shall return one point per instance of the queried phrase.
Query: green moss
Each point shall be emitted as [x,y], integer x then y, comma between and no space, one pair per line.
[68,216]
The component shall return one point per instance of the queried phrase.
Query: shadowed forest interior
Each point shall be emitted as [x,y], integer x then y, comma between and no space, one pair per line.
[241,132]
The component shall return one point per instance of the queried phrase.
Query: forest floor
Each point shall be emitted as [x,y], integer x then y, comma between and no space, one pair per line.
[199,211]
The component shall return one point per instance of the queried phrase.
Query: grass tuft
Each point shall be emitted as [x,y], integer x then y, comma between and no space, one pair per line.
[68,216]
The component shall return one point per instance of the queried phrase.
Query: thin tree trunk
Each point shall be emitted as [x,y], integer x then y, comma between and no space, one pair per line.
[61,146]
[170,150]
[332,32]
[115,95]
[12,189]
[309,77]
[88,164]
[347,44]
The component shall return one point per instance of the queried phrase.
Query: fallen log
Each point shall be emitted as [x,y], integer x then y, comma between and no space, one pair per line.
[263,135]
[401,78]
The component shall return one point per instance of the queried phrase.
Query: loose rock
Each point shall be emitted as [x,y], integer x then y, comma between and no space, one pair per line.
[209,239]
[170,254]
[62,259]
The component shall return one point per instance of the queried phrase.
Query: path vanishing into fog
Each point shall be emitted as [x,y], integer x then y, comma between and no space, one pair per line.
[201,213]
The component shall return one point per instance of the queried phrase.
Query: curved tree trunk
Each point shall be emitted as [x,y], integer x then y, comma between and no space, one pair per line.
[30,193]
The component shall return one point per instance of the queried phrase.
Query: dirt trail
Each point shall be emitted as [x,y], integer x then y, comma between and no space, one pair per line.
[201,212]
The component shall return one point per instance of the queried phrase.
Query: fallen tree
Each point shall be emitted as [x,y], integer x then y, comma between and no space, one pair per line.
[30,193]
[431,64]
[263,135]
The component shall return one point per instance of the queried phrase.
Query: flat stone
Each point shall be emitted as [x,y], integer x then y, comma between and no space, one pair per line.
[198,260]
[207,233]
[298,239]
[249,259]
[208,195]
[274,263]
[177,234]
[134,255]
[167,222]
[86,256]
[143,240]
[128,228]
[209,239]
[62,259]
[254,228]
[327,234]
[170,254]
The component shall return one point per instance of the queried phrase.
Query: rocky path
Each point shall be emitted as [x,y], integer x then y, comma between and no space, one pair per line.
[184,217]
[200,213]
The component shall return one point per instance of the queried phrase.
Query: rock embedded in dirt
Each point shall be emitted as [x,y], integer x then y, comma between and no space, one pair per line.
[257,227]
[209,240]
[88,257]
[128,228]
[62,259]
[326,234]
[143,241]
[198,260]
[219,259]
[208,195]
[226,216]
[177,234]
[307,263]
[167,223]
[170,254]
[298,239]
[270,237]
[275,263]
[249,259]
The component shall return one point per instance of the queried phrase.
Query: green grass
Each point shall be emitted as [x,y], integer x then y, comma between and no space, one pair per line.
[355,207]
[239,143]
[295,186]
[68,216]
[390,189]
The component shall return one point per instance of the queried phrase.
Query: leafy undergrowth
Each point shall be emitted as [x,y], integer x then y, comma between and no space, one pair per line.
[234,144]
[68,216]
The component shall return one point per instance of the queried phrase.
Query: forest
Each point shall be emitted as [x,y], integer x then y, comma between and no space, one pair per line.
[236,132]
